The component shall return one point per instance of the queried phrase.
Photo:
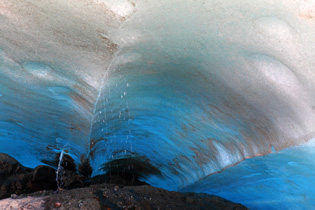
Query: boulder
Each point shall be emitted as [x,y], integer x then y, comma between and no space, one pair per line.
[72,180]
[9,167]
[17,179]
[17,184]
[85,168]
[43,177]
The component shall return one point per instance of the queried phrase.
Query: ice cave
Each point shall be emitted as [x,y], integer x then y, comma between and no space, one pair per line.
[211,96]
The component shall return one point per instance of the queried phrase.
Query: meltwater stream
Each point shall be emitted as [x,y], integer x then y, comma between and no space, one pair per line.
[60,171]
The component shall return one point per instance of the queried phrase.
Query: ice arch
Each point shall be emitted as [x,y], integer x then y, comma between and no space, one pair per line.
[188,88]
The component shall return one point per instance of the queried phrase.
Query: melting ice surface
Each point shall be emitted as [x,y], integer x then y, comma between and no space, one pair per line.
[179,89]
[281,180]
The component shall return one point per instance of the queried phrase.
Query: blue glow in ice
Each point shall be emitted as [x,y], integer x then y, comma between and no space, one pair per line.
[189,87]
[281,180]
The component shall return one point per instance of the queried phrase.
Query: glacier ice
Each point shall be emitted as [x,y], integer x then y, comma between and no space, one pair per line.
[279,180]
[190,87]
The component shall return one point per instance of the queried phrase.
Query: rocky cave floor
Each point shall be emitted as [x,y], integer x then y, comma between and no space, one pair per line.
[35,189]
[109,196]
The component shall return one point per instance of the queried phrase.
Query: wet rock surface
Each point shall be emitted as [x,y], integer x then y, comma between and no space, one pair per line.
[17,179]
[150,198]
[42,177]
[8,167]
[120,191]
[114,197]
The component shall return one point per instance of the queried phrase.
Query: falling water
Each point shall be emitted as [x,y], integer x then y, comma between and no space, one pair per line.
[59,172]
[127,117]
[109,119]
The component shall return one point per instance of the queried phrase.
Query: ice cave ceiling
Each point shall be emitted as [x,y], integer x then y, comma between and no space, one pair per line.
[183,88]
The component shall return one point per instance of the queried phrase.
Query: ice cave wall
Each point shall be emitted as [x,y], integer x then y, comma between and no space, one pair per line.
[203,85]
[191,87]
[51,68]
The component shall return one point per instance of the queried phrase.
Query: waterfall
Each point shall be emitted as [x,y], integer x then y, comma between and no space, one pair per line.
[59,172]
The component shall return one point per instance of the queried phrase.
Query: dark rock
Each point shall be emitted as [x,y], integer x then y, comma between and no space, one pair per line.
[17,179]
[119,178]
[148,198]
[189,199]
[145,205]
[67,162]
[13,176]
[20,180]
[5,189]
[8,167]
[72,180]
[85,168]
[18,184]
[130,197]
[134,166]
[44,177]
